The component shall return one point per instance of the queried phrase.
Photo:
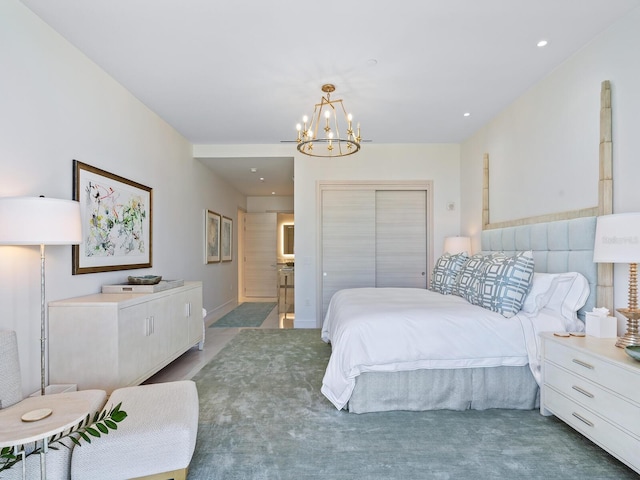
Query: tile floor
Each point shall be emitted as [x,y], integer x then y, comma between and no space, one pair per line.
[189,363]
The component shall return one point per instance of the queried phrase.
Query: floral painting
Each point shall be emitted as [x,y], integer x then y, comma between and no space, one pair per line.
[211,237]
[116,221]
[226,238]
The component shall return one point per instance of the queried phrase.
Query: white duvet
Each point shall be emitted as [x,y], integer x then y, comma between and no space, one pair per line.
[396,329]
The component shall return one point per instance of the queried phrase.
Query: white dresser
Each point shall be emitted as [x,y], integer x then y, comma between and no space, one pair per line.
[594,386]
[112,340]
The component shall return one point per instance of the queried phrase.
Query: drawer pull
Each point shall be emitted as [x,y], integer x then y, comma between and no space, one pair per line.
[583,364]
[582,419]
[582,391]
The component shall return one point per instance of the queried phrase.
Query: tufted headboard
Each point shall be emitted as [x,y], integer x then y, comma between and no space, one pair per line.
[560,246]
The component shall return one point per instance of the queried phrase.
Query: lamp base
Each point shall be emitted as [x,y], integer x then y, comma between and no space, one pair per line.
[632,337]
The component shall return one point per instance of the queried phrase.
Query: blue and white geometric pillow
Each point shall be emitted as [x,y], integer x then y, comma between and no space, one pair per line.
[505,283]
[445,272]
[467,281]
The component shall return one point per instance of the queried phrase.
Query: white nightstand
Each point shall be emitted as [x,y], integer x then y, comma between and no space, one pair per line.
[594,386]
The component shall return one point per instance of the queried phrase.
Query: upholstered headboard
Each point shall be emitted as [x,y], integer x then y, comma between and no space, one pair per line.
[560,246]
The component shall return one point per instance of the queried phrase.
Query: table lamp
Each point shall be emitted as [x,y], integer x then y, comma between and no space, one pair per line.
[618,241]
[40,221]
[455,245]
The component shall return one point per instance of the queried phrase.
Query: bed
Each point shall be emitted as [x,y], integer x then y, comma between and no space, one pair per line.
[416,349]
[561,245]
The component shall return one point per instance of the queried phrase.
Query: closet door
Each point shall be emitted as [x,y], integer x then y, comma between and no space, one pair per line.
[348,241]
[401,238]
[260,271]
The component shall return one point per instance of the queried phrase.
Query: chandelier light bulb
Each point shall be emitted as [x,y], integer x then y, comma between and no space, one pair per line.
[298,127]
[305,119]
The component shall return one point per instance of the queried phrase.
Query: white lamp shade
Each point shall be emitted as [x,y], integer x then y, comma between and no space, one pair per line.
[617,238]
[39,221]
[455,245]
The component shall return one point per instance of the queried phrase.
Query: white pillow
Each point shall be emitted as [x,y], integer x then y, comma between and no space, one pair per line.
[540,293]
[570,293]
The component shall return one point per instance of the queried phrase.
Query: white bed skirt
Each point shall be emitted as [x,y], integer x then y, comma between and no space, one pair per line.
[453,389]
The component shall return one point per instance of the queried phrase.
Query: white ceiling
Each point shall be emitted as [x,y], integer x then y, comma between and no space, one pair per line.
[245,71]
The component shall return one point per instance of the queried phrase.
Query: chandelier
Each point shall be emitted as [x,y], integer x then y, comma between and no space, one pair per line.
[326,115]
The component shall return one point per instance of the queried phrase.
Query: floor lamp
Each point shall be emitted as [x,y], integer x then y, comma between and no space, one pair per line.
[618,241]
[40,221]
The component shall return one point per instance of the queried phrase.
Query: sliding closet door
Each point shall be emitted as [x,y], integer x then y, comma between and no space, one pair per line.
[260,270]
[348,246]
[401,238]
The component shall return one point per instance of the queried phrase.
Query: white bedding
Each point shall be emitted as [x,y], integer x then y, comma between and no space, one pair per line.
[396,329]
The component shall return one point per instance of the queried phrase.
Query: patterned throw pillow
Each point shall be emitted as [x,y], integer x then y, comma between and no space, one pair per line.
[467,280]
[446,271]
[504,283]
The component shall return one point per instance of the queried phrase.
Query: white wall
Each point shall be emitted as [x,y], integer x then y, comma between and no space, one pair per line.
[543,149]
[56,106]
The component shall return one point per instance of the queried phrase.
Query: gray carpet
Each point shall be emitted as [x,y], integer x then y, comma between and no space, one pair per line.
[262,416]
[249,314]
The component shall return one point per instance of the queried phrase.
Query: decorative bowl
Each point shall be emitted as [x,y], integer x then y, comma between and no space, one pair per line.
[145,280]
[633,351]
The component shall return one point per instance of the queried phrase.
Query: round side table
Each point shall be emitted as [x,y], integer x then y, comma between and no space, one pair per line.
[68,409]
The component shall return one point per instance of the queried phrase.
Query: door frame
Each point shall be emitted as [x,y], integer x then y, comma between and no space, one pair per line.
[323,185]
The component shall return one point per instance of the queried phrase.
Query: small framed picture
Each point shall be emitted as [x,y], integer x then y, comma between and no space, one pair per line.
[227,239]
[211,236]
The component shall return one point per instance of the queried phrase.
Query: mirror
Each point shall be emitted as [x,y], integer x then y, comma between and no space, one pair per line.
[287,239]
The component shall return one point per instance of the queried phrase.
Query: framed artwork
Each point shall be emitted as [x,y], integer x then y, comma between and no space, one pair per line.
[226,239]
[211,236]
[116,215]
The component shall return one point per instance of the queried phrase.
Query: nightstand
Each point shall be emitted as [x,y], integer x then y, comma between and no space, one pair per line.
[594,386]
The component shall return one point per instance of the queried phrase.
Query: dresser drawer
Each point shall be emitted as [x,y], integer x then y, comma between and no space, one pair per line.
[593,397]
[623,445]
[595,369]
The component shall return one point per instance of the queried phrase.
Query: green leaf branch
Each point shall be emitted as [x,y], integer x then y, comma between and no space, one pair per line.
[91,427]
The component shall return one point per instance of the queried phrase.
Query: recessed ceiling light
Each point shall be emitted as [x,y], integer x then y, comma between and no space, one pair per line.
[542,43]
[262,179]
[466,114]
[273,193]
[254,170]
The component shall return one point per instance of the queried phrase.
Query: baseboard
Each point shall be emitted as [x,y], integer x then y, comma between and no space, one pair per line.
[304,323]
